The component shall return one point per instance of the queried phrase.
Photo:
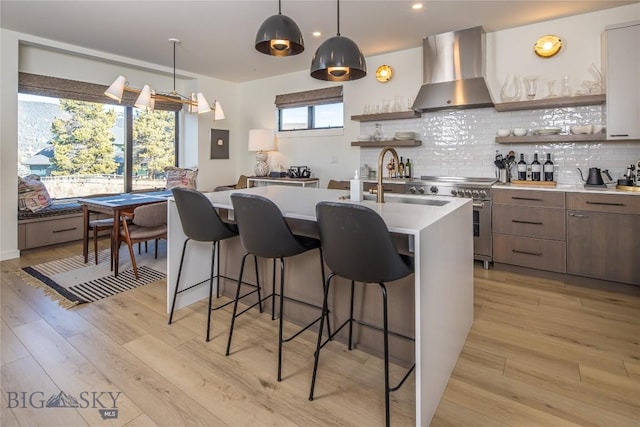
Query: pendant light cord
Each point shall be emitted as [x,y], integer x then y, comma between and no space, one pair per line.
[279,7]
[174,67]
[338,17]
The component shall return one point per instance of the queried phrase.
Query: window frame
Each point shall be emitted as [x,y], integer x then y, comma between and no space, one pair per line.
[54,87]
[309,99]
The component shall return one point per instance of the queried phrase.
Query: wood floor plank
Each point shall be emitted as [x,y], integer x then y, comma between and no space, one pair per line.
[15,311]
[497,407]
[26,376]
[540,399]
[11,347]
[562,349]
[72,372]
[65,322]
[633,369]
[165,404]
[142,421]
[452,414]
[593,394]
[7,418]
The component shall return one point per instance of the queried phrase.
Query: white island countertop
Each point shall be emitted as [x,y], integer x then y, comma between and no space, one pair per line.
[299,203]
[440,237]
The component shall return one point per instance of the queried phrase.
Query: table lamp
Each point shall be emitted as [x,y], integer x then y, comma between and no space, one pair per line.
[261,141]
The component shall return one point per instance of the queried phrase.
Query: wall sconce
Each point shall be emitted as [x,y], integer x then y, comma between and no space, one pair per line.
[384,73]
[547,46]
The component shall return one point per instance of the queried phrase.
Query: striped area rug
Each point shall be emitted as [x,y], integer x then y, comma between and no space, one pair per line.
[70,281]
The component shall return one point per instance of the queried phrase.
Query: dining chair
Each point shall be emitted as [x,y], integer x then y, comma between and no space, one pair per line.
[148,222]
[357,246]
[98,225]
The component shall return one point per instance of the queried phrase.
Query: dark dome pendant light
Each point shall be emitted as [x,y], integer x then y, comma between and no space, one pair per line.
[279,35]
[338,59]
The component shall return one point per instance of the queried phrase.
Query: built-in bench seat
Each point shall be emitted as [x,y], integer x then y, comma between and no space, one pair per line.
[57,223]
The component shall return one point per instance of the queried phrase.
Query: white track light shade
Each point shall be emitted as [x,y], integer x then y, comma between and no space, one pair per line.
[218,113]
[116,89]
[203,104]
[144,99]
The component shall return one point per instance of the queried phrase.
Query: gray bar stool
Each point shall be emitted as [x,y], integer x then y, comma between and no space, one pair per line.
[357,245]
[265,233]
[201,222]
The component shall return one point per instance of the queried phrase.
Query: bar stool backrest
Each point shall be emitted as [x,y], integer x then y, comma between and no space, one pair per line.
[357,245]
[200,221]
[263,230]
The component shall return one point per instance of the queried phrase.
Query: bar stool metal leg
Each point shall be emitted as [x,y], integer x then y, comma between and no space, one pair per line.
[213,257]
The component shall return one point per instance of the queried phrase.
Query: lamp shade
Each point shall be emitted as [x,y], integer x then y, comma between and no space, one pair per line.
[262,140]
[279,35]
[203,104]
[144,99]
[338,59]
[218,112]
[117,88]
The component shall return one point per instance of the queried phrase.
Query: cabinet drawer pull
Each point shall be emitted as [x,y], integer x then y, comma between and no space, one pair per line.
[517,221]
[620,134]
[526,253]
[526,198]
[65,229]
[605,203]
[575,215]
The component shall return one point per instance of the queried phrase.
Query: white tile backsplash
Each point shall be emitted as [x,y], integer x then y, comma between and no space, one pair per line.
[462,142]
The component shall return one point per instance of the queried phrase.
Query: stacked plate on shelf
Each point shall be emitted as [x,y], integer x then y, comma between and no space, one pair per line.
[547,131]
[400,136]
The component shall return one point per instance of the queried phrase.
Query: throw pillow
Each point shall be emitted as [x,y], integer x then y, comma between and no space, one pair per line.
[32,194]
[181,177]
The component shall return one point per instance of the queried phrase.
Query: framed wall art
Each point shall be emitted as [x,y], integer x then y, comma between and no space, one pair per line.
[219,144]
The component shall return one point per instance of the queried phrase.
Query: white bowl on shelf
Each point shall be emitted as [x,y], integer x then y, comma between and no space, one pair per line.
[577,130]
[364,137]
[520,131]
[503,132]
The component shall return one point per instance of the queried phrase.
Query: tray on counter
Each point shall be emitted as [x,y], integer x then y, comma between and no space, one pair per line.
[547,184]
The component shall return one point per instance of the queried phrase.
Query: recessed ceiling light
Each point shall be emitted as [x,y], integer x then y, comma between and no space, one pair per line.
[416,6]
[316,34]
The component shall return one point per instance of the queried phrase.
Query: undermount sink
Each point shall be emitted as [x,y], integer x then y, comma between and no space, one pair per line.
[390,198]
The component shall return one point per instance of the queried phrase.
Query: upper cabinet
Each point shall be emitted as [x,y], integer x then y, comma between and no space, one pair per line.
[623,84]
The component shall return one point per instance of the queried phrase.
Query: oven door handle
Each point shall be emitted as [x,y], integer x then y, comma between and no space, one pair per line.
[478,204]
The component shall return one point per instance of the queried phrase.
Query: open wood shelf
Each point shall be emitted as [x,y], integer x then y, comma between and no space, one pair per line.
[556,102]
[386,116]
[392,143]
[535,139]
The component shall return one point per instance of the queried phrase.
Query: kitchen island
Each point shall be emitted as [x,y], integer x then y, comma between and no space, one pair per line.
[437,300]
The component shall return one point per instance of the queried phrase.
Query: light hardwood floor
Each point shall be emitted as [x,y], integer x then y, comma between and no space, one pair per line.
[540,353]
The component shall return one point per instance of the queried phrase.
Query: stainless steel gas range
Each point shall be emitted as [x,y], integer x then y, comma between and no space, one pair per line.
[479,189]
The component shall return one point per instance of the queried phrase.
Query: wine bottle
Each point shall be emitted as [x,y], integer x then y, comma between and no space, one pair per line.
[522,169]
[401,168]
[407,169]
[536,168]
[548,168]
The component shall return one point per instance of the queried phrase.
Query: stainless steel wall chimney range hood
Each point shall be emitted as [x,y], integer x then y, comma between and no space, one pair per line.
[454,71]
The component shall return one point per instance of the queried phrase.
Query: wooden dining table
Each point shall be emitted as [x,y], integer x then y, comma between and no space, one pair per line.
[113,206]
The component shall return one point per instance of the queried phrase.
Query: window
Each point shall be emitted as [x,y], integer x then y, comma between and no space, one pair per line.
[314,109]
[79,147]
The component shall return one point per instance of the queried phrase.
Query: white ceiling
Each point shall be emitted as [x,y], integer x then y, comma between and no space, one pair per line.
[218,36]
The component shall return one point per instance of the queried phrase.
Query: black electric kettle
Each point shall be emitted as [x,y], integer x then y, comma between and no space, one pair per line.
[595,177]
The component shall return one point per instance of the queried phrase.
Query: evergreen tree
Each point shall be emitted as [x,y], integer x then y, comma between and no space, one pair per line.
[153,142]
[82,139]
